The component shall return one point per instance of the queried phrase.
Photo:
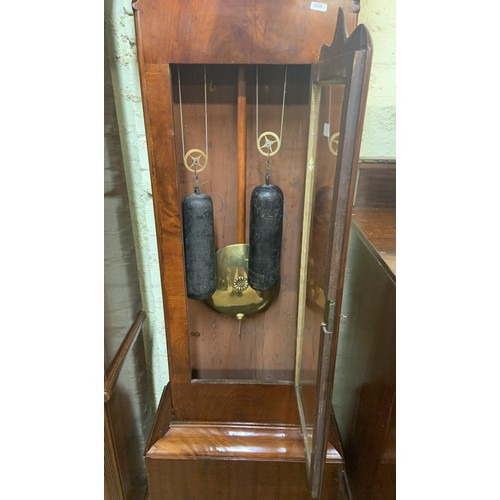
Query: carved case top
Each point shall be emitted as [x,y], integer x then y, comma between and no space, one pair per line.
[238,31]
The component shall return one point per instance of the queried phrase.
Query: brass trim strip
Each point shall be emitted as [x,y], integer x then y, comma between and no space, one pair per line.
[303,428]
[306,224]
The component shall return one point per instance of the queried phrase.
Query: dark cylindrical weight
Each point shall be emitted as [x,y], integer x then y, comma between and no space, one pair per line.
[199,245]
[266,221]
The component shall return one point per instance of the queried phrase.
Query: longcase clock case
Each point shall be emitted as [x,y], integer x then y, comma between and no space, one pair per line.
[247,413]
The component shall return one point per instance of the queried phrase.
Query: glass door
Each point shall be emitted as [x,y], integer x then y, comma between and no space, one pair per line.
[339,83]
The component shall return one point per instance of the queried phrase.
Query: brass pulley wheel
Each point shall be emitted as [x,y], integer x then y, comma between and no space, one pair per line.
[195,160]
[268,143]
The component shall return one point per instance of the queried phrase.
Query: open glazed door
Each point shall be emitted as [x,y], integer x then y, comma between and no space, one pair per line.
[339,84]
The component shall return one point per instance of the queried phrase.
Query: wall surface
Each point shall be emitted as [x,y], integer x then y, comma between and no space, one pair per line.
[129,412]
[379,134]
[122,53]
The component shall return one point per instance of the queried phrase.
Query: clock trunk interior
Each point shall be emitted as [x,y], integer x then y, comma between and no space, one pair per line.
[266,349]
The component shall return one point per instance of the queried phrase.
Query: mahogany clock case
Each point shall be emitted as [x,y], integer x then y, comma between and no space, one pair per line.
[234,400]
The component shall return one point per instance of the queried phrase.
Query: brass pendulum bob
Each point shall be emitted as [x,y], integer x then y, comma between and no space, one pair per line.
[233,295]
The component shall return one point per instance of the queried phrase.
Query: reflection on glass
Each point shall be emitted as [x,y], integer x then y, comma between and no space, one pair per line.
[318,254]
[335,169]
[323,158]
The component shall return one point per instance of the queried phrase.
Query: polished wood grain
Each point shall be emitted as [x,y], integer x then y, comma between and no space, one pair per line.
[376,186]
[385,476]
[378,228]
[230,440]
[209,479]
[239,32]
[241,402]
[156,89]
[216,460]
[163,417]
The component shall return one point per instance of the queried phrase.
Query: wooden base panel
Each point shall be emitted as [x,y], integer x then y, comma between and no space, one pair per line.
[231,460]
[206,479]
[222,441]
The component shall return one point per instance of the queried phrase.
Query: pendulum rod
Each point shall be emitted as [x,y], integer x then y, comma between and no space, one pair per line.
[242,167]
[306,230]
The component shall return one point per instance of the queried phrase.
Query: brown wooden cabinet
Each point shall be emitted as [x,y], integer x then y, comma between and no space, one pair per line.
[364,395]
[247,412]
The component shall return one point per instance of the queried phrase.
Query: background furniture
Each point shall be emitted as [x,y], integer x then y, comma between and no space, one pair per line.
[364,394]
